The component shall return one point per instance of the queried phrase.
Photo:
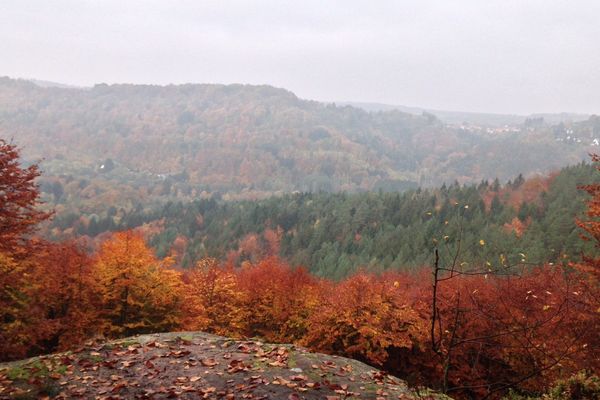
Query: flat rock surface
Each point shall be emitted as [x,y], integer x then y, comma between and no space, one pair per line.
[197,365]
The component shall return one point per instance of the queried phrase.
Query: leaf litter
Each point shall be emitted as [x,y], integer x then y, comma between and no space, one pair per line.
[196,365]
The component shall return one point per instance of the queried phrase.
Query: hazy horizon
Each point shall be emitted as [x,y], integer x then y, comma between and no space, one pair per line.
[502,57]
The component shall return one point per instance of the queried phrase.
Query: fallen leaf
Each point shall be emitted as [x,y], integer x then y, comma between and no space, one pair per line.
[208,362]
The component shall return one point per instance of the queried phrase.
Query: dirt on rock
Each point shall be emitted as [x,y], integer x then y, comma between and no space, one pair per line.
[197,365]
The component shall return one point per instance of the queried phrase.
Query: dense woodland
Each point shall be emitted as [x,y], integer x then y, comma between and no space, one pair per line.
[336,234]
[487,328]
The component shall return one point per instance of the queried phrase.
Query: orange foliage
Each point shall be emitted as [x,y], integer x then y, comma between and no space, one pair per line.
[513,329]
[494,332]
[178,248]
[364,317]
[517,226]
[250,247]
[278,299]
[16,314]
[139,293]
[254,248]
[273,239]
[48,300]
[68,302]
[529,192]
[213,301]
[589,270]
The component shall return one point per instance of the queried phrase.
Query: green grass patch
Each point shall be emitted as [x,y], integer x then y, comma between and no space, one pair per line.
[127,343]
[292,362]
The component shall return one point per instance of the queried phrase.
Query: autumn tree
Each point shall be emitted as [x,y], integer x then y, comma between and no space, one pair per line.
[588,269]
[16,314]
[139,293]
[509,332]
[213,301]
[67,296]
[365,317]
[19,198]
[591,227]
[279,299]
[494,324]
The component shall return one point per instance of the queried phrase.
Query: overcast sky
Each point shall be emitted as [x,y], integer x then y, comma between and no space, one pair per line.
[508,56]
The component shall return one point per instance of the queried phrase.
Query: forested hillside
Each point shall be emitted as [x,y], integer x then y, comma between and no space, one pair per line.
[247,212]
[470,328]
[334,234]
[250,141]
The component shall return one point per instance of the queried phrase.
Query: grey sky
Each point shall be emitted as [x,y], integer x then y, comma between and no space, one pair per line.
[510,56]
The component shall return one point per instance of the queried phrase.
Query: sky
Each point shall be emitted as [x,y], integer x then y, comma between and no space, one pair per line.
[501,56]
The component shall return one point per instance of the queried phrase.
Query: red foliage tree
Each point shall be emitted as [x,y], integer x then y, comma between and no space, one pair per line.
[19,197]
[365,317]
[278,299]
[67,299]
[506,332]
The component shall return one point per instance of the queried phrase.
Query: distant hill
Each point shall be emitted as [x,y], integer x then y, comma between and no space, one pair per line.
[49,84]
[459,117]
[246,141]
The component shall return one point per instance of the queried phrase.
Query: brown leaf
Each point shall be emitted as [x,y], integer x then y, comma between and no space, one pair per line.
[298,378]
[117,388]
[208,362]
[277,364]
[236,366]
